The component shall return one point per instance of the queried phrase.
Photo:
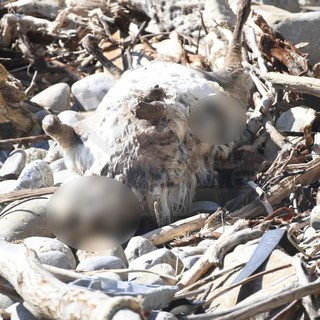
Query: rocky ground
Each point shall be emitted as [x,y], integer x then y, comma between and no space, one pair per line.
[247,248]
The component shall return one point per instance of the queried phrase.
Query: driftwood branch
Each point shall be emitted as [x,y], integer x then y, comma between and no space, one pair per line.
[5,143]
[50,298]
[176,229]
[26,193]
[214,255]
[281,190]
[298,84]
[251,308]
[90,43]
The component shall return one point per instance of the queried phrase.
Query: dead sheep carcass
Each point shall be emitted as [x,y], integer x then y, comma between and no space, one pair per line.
[160,127]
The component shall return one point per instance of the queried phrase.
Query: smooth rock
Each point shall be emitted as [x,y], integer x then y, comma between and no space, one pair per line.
[154,279]
[162,315]
[294,119]
[54,152]
[21,220]
[138,246]
[301,27]
[69,117]
[6,301]
[101,263]
[20,312]
[36,174]
[90,90]
[56,98]
[40,115]
[190,261]
[14,164]
[6,185]
[289,5]
[63,176]
[115,252]
[206,243]
[188,251]
[49,249]
[57,165]
[315,218]
[126,314]
[35,154]
[156,257]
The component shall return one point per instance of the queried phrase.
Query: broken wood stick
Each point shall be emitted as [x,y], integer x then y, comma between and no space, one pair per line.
[176,229]
[50,298]
[90,43]
[306,85]
[4,143]
[251,308]
[26,193]
[215,254]
[281,190]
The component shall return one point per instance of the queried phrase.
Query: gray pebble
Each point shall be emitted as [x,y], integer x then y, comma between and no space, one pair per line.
[206,243]
[115,252]
[56,98]
[35,154]
[57,165]
[6,301]
[6,185]
[14,164]
[40,115]
[52,251]
[63,176]
[90,90]
[138,246]
[26,219]
[101,263]
[54,152]
[36,174]
[154,279]
[156,257]
[19,312]
[184,252]
[190,261]
[69,117]
[162,315]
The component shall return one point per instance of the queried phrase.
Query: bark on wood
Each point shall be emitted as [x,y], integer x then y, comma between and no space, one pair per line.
[51,298]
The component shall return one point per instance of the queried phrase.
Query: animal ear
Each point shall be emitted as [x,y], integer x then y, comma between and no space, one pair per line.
[217,119]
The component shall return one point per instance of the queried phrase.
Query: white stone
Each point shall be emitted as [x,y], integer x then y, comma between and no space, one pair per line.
[156,257]
[56,98]
[26,219]
[138,246]
[90,90]
[52,251]
[14,164]
[36,174]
